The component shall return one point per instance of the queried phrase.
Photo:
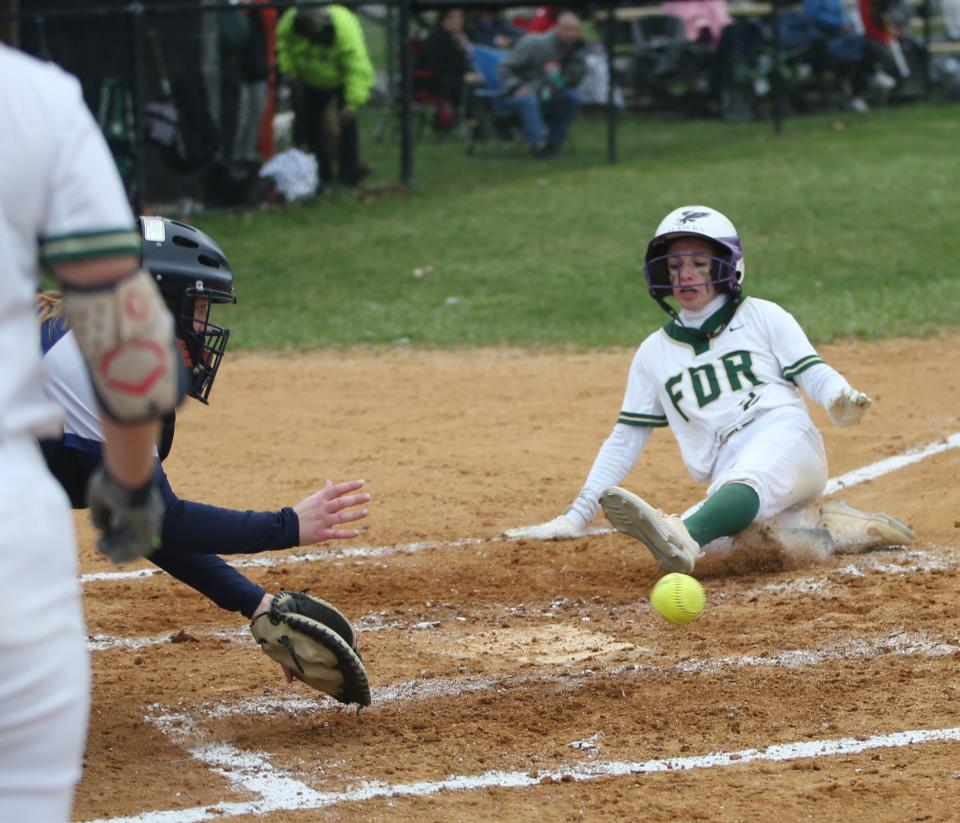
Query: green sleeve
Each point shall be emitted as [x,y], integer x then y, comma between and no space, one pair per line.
[357,68]
[285,60]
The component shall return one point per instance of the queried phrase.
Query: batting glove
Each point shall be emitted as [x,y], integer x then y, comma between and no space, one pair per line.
[129,520]
[564,527]
[847,407]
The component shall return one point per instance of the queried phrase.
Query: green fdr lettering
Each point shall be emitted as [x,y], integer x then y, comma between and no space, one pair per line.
[676,394]
[739,363]
[705,384]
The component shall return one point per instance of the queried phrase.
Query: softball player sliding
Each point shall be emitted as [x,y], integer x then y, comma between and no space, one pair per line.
[61,201]
[723,374]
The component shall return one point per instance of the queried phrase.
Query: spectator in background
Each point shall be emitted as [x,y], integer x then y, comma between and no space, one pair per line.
[322,50]
[244,71]
[445,61]
[951,18]
[886,24]
[703,20]
[539,77]
[543,19]
[487,27]
[833,31]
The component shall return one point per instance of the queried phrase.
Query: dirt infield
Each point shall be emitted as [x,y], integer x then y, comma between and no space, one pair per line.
[523,681]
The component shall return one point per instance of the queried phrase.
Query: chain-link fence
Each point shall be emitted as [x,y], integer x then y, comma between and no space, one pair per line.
[190,99]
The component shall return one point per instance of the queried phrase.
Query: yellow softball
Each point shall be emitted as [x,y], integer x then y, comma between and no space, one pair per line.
[678,598]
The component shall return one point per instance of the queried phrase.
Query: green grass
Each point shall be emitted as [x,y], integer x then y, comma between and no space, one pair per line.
[848,222]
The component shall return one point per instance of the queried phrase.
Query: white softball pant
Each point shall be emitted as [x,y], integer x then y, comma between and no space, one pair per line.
[780,455]
[44,666]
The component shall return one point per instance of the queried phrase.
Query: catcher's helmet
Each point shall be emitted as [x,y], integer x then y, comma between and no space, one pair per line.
[727,271]
[189,266]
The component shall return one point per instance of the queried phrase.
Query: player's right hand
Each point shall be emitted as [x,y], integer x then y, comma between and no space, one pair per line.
[563,527]
[322,513]
[129,520]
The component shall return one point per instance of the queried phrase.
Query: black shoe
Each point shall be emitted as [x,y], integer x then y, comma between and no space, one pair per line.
[543,152]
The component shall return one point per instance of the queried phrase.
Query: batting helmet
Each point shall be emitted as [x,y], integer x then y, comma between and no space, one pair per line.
[695,221]
[192,273]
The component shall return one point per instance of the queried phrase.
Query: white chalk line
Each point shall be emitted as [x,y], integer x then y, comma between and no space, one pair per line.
[891,464]
[897,644]
[365,625]
[280,792]
[834,485]
[908,562]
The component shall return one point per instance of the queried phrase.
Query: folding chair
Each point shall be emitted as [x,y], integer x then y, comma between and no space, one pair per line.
[493,120]
[668,68]
[428,110]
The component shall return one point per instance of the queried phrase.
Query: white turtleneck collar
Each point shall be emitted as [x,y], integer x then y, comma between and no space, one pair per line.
[695,319]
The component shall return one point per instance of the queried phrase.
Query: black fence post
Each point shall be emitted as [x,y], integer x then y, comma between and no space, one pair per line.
[390,45]
[778,83]
[138,195]
[406,95]
[610,45]
[927,34]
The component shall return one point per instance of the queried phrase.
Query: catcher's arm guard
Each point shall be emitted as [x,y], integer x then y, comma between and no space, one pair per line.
[125,333]
[314,640]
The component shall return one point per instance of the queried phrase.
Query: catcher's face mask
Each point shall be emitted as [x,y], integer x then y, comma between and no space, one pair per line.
[202,343]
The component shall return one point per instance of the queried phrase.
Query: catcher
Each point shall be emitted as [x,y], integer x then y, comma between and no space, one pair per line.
[311,640]
[724,374]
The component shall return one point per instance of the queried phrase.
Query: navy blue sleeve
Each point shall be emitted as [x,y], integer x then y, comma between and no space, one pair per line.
[192,533]
[213,577]
[202,529]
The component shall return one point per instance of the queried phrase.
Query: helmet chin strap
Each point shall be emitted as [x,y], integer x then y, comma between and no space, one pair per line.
[736,299]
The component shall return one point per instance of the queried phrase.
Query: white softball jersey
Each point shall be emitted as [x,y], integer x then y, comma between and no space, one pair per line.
[67,383]
[705,390]
[61,200]
[732,402]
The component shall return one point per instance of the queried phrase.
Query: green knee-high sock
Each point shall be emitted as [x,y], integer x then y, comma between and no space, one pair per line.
[730,510]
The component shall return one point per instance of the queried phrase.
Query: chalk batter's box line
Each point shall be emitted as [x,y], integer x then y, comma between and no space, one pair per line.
[280,790]
[834,485]
[281,793]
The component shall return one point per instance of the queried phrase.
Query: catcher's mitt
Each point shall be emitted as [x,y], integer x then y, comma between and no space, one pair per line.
[314,640]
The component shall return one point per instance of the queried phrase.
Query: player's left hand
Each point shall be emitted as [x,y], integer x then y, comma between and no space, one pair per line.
[323,511]
[315,643]
[129,520]
[847,407]
[265,602]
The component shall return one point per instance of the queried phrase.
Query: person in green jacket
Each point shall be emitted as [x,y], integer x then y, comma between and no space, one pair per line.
[322,50]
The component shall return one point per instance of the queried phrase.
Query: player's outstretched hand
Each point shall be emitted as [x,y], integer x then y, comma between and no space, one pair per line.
[323,511]
[847,407]
[563,527]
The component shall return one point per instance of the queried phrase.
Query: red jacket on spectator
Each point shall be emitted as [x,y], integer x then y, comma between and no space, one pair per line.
[544,18]
[874,24]
[268,16]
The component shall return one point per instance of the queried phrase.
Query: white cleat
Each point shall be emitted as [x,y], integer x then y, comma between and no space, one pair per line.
[855,532]
[664,534]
